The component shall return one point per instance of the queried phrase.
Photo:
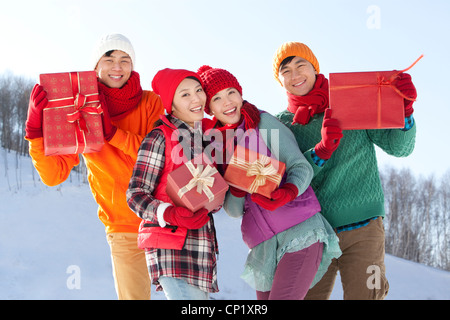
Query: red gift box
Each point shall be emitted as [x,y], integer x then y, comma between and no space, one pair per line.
[367,100]
[196,185]
[253,172]
[72,121]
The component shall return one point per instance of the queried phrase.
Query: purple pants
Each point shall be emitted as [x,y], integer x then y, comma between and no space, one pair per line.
[294,274]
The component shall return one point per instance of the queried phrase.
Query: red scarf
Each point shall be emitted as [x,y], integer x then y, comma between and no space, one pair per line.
[251,115]
[316,101]
[249,112]
[122,101]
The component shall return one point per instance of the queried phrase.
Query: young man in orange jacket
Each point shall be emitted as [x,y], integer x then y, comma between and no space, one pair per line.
[129,114]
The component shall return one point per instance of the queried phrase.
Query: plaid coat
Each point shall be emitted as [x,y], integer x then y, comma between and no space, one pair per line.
[196,262]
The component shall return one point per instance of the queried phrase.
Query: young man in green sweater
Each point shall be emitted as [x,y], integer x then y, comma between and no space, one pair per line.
[346,179]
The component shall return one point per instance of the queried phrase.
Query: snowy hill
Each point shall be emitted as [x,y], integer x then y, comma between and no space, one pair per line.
[52,246]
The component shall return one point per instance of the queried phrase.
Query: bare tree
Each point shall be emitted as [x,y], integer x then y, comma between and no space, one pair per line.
[417,212]
[443,232]
[14,99]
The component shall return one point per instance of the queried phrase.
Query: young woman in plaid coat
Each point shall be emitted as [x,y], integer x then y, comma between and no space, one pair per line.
[180,244]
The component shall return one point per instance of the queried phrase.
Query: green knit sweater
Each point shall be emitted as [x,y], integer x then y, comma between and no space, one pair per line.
[348,185]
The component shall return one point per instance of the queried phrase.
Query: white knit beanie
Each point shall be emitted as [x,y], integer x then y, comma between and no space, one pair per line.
[110,42]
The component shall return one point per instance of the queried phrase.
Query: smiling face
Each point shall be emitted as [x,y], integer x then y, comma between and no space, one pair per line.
[298,76]
[114,69]
[226,106]
[189,101]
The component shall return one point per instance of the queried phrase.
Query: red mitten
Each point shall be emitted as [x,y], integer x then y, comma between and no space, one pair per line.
[38,101]
[279,197]
[405,85]
[182,217]
[331,136]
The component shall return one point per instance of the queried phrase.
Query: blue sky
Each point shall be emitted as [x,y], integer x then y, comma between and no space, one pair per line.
[242,36]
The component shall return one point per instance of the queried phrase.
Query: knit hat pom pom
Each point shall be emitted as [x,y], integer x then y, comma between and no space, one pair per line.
[203,69]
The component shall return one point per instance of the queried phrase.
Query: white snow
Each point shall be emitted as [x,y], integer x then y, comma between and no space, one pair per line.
[52,246]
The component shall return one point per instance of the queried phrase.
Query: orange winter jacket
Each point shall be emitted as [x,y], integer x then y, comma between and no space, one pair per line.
[109,170]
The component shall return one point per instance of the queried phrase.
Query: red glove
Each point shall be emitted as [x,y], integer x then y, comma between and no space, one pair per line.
[109,130]
[182,217]
[331,136]
[284,194]
[405,85]
[38,101]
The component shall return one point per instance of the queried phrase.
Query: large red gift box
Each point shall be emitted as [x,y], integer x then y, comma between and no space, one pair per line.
[253,172]
[366,100]
[72,121]
[195,185]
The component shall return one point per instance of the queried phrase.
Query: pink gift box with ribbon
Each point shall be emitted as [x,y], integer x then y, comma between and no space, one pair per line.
[196,185]
[72,120]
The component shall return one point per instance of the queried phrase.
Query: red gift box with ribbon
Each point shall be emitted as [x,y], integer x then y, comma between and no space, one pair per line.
[196,184]
[367,100]
[72,121]
[254,172]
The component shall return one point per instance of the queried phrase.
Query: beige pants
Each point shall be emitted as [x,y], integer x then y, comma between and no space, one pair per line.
[130,272]
[361,266]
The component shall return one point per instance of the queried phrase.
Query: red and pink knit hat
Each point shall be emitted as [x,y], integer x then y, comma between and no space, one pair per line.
[215,80]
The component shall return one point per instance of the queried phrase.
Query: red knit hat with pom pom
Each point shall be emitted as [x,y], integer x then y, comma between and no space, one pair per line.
[215,80]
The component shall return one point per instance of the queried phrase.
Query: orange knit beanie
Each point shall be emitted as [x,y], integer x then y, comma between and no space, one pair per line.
[289,49]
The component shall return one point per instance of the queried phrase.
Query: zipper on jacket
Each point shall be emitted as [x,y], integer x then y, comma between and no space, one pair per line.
[151,225]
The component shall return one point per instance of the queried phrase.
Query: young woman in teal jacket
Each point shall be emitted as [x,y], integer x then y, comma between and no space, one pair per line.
[291,244]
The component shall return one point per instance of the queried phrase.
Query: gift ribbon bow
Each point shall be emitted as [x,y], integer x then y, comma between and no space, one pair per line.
[89,103]
[261,168]
[202,180]
[80,106]
[382,82]
[80,103]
